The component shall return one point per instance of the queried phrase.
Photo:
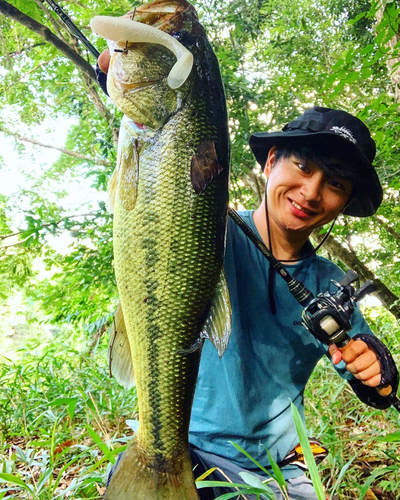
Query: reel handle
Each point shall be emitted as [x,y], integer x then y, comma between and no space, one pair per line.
[350,277]
[383,390]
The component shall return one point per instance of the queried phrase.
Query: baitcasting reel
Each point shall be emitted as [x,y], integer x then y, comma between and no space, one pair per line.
[327,316]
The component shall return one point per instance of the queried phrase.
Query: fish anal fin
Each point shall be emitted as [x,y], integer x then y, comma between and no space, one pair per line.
[204,166]
[119,352]
[217,327]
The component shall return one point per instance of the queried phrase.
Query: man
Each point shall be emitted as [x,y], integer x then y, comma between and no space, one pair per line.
[318,167]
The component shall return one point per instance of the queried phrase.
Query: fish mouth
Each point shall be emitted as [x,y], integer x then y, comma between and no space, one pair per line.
[123,29]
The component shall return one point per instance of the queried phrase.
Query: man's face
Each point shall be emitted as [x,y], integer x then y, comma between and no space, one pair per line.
[300,196]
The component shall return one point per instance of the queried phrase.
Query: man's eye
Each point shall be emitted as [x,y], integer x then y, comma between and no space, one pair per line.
[337,184]
[302,166]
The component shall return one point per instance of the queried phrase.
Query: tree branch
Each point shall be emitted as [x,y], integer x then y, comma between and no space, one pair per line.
[43,31]
[388,228]
[350,259]
[87,71]
[53,22]
[62,150]
[49,224]
[26,49]
[26,74]
[255,182]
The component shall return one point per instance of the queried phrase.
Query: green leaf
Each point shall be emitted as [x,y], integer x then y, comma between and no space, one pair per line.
[255,462]
[308,454]
[366,50]
[70,402]
[390,438]
[9,478]
[42,480]
[218,484]
[372,478]
[103,447]
[253,481]
[206,474]
[279,477]
[357,18]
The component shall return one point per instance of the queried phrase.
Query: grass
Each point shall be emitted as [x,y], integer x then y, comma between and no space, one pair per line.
[355,436]
[63,421]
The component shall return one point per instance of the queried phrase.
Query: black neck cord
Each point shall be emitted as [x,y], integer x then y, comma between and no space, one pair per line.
[271,274]
[296,288]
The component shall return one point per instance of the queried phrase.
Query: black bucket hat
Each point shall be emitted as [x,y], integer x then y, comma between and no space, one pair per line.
[350,139]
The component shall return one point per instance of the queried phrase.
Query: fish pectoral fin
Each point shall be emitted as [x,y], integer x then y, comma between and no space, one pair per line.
[217,327]
[122,187]
[119,352]
[204,166]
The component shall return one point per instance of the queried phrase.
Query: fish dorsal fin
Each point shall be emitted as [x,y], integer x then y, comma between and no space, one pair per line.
[217,328]
[119,351]
[204,166]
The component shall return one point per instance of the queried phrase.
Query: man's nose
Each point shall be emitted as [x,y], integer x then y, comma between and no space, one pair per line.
[312,188]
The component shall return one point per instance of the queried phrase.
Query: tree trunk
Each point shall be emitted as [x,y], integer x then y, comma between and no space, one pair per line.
[393,57]
[350,259]
[256,183]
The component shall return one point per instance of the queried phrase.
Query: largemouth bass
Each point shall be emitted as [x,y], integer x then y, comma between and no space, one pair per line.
[170,192]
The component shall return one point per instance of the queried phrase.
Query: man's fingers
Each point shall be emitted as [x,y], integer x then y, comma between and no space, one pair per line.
[104,61]
[362,362]
[336,355]
[353,350]
[370,376]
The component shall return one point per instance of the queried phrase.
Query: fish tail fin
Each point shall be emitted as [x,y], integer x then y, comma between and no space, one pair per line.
[139,478]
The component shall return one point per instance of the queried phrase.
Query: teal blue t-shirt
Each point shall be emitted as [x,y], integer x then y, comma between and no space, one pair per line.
[245,396]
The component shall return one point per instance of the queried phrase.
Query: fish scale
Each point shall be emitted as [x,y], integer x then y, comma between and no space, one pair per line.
[171,193]
[168,240]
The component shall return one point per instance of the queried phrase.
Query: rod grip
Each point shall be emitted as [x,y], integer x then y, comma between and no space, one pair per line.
[383,390]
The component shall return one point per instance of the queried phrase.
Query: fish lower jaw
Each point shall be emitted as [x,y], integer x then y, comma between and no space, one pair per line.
[124,87]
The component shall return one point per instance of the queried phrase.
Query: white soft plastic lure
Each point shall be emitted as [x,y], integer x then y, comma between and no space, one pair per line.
[120,29]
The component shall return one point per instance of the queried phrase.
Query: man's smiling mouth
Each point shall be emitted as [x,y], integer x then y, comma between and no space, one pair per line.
[299,207]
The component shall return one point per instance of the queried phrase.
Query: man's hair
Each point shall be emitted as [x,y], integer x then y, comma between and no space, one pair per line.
[327,160]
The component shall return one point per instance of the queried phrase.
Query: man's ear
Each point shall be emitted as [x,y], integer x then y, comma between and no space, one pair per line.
[270,161]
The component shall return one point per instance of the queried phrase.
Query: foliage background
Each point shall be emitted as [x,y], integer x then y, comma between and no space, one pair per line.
[277,57]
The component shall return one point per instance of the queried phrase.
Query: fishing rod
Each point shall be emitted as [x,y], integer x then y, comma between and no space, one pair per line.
[328,315]
[73,29]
